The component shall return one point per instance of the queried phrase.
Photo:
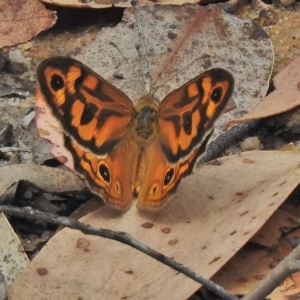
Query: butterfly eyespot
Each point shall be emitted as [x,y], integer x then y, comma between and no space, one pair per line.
[216,94]
[169,176]
[118,187]
[154,189]
[57,82]
[104,173]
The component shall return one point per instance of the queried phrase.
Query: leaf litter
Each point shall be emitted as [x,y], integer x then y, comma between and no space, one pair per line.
[253,262]
[222,212]
[12,257]
[109,3]
[285,97]
[172,241]
[21,20]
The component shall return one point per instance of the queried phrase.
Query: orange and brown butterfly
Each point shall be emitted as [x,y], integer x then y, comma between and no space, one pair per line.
[123,151]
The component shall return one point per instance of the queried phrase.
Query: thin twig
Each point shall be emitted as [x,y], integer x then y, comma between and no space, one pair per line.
[119,236]
[226,139]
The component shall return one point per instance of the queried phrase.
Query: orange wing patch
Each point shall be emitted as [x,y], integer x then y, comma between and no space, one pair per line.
[109,177]
[187,115]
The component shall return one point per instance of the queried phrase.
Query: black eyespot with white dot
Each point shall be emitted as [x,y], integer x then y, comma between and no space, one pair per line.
[216,94]
[104,172]
[169,176]
[57,82]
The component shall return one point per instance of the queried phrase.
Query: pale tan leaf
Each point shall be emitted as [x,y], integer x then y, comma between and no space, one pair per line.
[213,214]
[20,20]
[285,97]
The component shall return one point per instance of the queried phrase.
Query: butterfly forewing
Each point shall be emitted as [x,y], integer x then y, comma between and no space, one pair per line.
[90,110]
[187,115]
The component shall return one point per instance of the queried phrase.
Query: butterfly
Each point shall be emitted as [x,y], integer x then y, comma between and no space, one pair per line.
[125,151]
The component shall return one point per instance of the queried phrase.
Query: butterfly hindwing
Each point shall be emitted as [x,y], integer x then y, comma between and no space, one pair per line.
[161,178]
[109,177]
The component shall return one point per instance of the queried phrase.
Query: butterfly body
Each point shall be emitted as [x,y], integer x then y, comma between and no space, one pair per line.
[124,151]
[145,120]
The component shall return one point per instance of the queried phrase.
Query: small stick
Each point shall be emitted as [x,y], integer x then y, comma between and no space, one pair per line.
[119,236]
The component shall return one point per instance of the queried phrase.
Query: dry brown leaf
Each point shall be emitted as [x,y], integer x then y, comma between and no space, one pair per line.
[271,232]
[22,19]
[296,279]
[251,263]
[182,42]
[285,291]
[108,3]
[47,178]
[285,97]
[12,259]
[288,289]
[212,215]
[295,234]
[246,270]
[294,210]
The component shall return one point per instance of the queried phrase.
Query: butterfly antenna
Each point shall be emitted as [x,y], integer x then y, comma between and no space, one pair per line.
[142,46]
[118,49]
[183,69]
